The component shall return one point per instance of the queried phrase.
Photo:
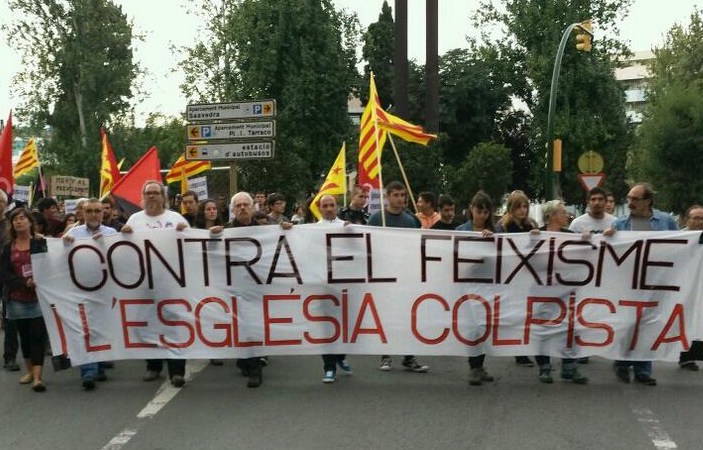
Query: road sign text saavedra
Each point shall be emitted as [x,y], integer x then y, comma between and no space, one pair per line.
[255,109]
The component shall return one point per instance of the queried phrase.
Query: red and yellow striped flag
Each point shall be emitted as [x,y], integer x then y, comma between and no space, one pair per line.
[404,130]
[29,159]
[109,172]
[183,169]
[371,139]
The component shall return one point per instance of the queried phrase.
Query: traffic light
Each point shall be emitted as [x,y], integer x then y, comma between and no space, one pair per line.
[557,155]
[584,36]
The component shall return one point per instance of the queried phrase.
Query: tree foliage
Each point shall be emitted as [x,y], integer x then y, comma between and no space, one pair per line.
[669,148]
[487,167]
[378,52]
[302,53]
[590,111]
[77,74]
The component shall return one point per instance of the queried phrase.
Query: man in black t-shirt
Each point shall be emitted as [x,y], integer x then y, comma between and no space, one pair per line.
[446,214]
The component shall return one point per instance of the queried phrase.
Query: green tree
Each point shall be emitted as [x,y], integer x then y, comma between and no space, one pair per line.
[77,74]
[299,52]
[378,52]
[487,167]
[669,147]
[590,112]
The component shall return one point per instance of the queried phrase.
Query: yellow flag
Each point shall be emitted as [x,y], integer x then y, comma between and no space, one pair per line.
[334,184]
[29,159]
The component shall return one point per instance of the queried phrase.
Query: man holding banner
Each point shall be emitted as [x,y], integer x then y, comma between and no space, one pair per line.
[92,228]
[642,217]
[156,216]
[395,216]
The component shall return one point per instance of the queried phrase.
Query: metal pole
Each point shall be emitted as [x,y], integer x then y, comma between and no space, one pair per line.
[432,67]
[400,60]
[550,183]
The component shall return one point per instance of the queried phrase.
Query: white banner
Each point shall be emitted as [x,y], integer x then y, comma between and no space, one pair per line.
[199,186]
[360,290]
[21,193]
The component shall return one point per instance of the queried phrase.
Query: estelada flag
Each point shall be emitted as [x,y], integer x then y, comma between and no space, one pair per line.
[371,140]
[29,159]
[182,169]
[334,184]
[128,191]
[7,180]
[109,170]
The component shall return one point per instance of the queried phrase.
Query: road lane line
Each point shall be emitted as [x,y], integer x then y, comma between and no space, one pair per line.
[165,394]
[659,437]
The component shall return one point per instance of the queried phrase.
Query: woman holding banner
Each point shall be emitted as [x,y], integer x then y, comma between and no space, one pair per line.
[517,220]
[480,219]
[555,219]
[22,304]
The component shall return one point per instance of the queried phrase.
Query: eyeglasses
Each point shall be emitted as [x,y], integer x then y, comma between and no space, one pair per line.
[631,198]
[152,193]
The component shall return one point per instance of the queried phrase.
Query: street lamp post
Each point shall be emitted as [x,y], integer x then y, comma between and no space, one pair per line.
[551,185]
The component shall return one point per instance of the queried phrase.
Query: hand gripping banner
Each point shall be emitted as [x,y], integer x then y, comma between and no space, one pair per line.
[319,289]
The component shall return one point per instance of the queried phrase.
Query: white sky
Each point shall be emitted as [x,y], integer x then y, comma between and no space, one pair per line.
[166,22]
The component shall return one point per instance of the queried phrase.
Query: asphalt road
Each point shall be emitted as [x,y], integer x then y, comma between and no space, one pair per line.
[293,409]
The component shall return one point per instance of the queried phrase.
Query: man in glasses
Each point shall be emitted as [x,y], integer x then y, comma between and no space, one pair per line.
[156,215]
[694,222]
[642,217]
[91,228]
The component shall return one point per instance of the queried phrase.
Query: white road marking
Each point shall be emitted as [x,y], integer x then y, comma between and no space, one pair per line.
[165,394]
[659,437]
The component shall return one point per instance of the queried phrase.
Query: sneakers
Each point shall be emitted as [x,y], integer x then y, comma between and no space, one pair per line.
[545,374]
[688,365]
[574,375]
[150,375]
[385,365]
[478,375]
[344,365]
[255,378]
[412,364]
[88,383]
[623,374]
[329,377]
[11,366]
[646,380]
[524,361]
[178,381]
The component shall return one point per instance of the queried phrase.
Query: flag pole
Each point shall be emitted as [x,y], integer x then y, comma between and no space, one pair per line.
[344,158]
[380,174]
[378,160]
[402,171]
[31,195]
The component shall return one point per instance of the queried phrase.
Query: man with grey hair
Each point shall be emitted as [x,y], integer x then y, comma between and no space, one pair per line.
[242,210]
[156,216]
[329,209]
[92,228]
[642,217]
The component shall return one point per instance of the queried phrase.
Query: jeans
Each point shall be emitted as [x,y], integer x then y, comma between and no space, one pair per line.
[11,345]
[330,361]
[476,362]
[175,366]
[641,368]
[543,360]
[91,369]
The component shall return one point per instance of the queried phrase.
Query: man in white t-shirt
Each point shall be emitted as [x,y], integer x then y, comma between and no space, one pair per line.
[596,220]
[329,209]
[156,216]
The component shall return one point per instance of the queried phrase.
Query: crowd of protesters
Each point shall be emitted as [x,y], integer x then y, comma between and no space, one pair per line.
[20,227]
